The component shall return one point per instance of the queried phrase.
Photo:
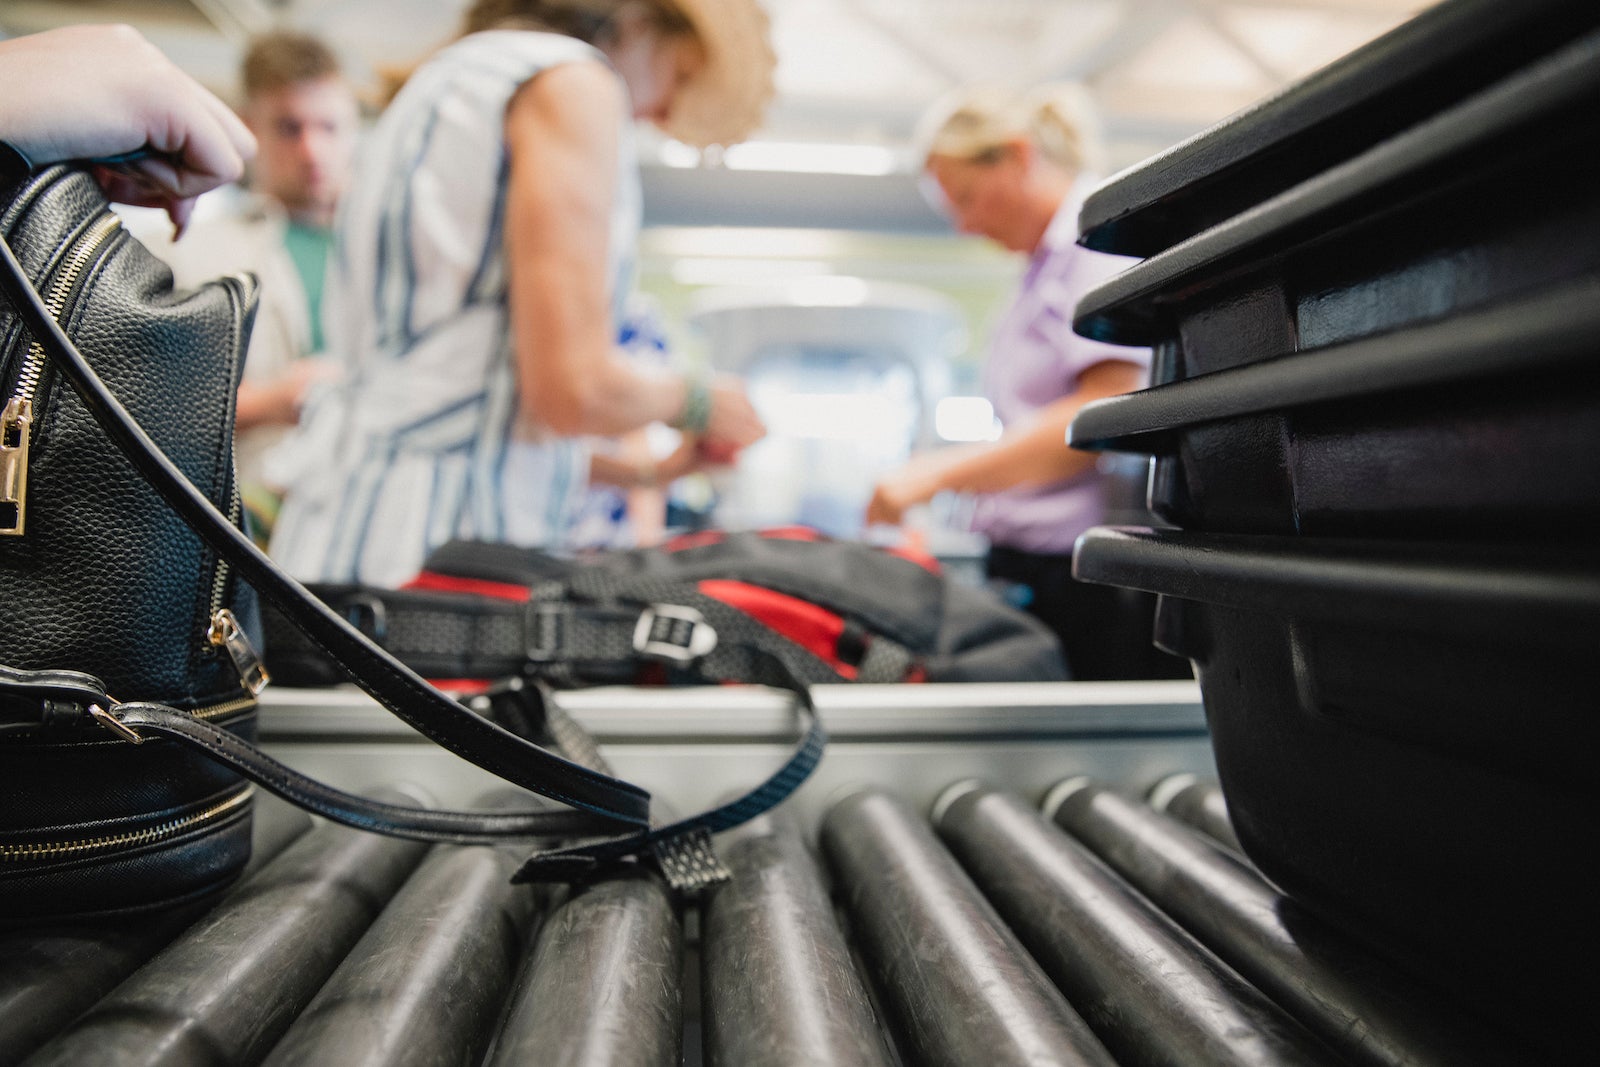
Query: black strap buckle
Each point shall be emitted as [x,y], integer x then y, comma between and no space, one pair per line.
[367,613]
[674,633]
[545,631]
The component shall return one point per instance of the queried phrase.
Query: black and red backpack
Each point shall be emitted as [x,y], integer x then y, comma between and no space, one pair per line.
[708,607]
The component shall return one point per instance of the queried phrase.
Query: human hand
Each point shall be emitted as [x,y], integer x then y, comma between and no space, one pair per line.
[888,504]
[301,376]
[733,424]
[717,453]
[685,459]
[897,492]
[692,455]
[100,92]
[278,402]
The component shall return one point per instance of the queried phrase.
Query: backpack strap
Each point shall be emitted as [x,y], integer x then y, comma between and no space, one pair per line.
[681,848]
[593,627]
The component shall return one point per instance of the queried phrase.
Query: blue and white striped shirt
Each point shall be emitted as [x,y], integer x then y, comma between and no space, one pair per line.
[422,440]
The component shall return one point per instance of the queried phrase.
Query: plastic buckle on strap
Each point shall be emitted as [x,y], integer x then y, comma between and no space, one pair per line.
[545,631]
[673,632]
[366,613]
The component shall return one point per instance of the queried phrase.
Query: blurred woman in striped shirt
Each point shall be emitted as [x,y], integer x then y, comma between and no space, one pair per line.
[485,251]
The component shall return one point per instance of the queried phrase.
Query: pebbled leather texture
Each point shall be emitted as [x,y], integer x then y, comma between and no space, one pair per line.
[107,579]
[102,555]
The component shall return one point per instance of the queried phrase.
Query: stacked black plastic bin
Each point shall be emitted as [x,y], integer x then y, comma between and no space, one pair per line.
[1375,423]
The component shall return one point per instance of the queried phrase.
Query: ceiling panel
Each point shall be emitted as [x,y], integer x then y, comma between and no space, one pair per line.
[859,72]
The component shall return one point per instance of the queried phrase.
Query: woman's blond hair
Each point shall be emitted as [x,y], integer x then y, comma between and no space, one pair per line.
[976,122]
[586,20]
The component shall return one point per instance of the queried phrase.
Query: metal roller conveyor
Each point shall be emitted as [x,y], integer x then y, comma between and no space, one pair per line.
[1358,1005]
[426,983]
[229,985]
[602,987]
[1155,996]
[50,976]
[959,987]
[780,987]
[276,824]
[1196,802]
[351,949]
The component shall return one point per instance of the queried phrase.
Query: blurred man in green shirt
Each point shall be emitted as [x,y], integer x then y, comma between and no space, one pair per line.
[305,117]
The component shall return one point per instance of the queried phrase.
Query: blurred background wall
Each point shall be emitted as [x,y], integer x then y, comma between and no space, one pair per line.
[821,211]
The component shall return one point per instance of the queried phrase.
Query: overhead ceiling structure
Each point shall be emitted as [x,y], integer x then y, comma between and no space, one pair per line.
[853,76]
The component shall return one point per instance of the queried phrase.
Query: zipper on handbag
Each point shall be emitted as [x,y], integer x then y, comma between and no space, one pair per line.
[47,851]
[15,430]
[16,423]
[226,633]
[227,707]
[219,577]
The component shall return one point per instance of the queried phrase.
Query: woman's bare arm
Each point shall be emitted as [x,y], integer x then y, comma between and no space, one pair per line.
[1034,453]
[562,129]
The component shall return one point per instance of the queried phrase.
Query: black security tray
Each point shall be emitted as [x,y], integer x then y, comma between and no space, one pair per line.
[1423,289]
[1484,423]
[1445,54]
[1404,733]
[1492,196]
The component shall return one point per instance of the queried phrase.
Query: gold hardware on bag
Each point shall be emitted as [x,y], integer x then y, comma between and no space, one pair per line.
[211,712]
[225,632]
[114,724]
[15,425]
[43,851]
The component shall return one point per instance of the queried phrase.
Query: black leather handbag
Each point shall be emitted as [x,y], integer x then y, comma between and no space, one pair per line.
[96,574]
[127,680]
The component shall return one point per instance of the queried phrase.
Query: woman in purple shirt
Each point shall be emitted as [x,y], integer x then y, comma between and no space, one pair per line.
[1013,167]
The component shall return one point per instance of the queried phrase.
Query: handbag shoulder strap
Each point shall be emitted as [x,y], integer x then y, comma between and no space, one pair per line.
[35,701]
[404,693]
[42,702]
[388,681]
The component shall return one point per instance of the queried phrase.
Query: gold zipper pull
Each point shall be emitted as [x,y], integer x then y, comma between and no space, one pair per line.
[225,632]
[15,424]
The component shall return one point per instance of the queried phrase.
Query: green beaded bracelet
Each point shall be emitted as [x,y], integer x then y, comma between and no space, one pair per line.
[696,413]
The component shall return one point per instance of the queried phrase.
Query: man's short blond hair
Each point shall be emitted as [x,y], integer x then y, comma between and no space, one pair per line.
[277,60]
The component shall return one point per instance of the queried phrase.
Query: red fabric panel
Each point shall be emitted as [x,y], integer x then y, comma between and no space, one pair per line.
[449,583]
[462,686]
[813,628]
[791,533]
[916,555]
[714,537]
[694,540]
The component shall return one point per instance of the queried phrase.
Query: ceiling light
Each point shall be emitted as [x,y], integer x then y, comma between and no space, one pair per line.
[965,418]
[700,270]
[799,157]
